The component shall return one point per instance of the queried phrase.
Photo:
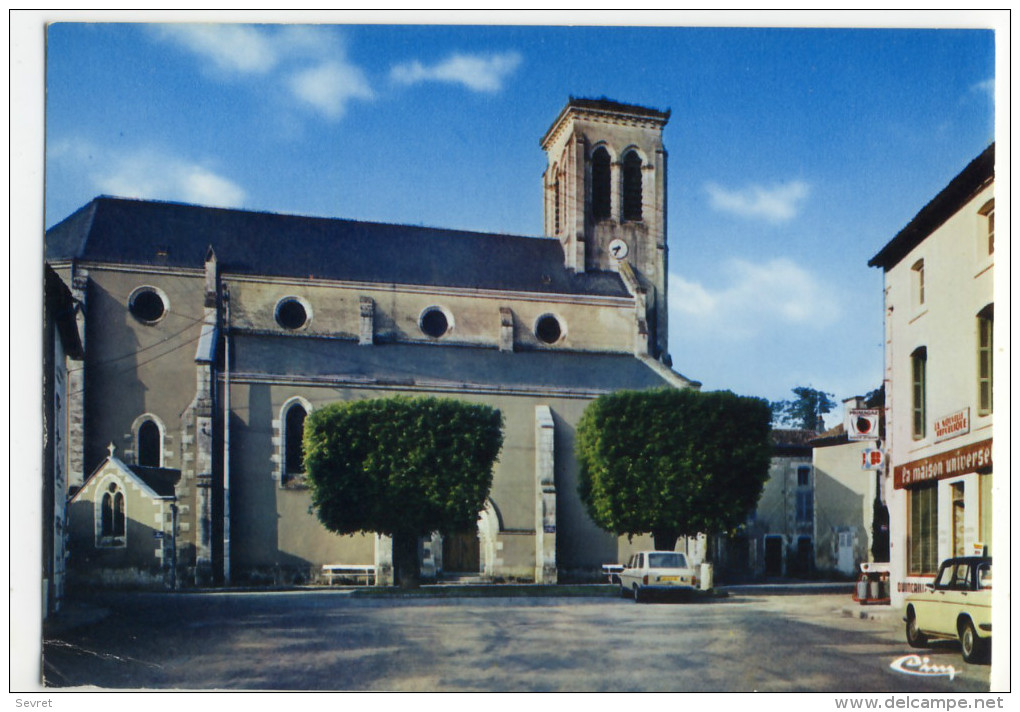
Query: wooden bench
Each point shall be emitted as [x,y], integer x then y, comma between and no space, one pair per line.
[332,573]
[612,572]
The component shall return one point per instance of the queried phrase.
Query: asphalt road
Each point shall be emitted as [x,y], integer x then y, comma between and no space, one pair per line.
[330,640]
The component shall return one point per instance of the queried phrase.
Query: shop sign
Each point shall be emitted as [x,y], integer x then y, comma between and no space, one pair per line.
[947,464]
[862,423]
[951,425]
[872,459]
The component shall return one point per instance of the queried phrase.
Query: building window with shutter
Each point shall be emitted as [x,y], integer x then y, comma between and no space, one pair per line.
[918,370]
[917,278]
[984,354]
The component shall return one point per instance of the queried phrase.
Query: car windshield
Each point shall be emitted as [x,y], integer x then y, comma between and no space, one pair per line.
[667,561]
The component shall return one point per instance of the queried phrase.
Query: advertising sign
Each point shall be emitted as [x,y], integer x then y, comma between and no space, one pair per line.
[951,425]
[960,461]
[872,459]
[862,423]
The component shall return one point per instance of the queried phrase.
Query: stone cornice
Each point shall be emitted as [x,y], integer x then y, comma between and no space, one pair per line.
[413,385]
[607,116]
[363,287]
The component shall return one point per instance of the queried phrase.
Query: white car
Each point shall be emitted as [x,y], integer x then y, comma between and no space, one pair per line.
[958,605]
[651,572]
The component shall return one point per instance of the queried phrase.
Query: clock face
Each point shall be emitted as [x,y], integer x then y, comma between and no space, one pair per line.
[618,248]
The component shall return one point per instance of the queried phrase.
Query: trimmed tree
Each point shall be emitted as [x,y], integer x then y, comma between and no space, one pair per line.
[403,467]
[673,462]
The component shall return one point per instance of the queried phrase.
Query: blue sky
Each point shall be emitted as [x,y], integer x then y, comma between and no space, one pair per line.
[794,155]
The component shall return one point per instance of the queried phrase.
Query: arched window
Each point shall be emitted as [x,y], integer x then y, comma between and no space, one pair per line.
[150,445]
[112,521]
[601,184]
[632,186]
[106,516]
[294,433]
[556,207]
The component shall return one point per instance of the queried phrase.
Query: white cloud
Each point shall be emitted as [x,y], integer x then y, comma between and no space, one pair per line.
[153,175]
[754,300]
[234,48]
[988,85]
[476,72]
[778,203]
[309,62]
[330,86]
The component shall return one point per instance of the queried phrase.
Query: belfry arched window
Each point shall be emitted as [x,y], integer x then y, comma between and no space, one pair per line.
[632,186]
[601,184]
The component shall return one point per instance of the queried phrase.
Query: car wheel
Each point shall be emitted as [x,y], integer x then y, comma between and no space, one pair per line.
[638,596]
[915,638]
[972,647]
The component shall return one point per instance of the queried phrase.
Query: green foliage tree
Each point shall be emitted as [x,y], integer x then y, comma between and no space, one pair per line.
[673,462]
[404,467]
[804,410]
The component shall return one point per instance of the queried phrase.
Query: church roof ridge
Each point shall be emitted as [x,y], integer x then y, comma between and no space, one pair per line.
[170,234]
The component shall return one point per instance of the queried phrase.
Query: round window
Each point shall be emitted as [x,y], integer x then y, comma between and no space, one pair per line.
[433,322]
[548,329]
[291,313]
[147,305]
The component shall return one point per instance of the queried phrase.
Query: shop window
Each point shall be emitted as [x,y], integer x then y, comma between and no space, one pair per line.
[601,184]
[918,369]
[632,186]
[922,532]
[985,352]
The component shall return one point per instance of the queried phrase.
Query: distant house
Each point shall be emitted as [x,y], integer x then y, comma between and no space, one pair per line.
[62,352]
[845,507]
[779,536]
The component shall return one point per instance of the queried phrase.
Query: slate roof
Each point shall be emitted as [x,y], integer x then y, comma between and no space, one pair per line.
[942,207]
[792,442]
[403,364]
[153,233]
[160,479]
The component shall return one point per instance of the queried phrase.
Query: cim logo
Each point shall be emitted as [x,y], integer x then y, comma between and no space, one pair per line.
[916,665]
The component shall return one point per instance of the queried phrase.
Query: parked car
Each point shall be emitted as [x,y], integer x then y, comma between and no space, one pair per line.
[651,572]
[958,605]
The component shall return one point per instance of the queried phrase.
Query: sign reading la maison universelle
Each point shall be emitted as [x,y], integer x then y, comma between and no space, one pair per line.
[947,464]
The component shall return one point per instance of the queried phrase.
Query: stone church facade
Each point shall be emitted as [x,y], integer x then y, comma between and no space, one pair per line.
[210,334]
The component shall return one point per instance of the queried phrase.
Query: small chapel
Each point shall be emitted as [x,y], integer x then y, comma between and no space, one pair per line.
[208,335]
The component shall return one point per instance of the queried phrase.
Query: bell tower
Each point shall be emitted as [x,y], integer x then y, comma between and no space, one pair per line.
[605,198]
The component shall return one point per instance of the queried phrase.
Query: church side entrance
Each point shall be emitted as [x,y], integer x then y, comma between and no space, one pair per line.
[461,553]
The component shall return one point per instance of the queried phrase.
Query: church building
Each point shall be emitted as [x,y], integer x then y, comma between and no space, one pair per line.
[210,334]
